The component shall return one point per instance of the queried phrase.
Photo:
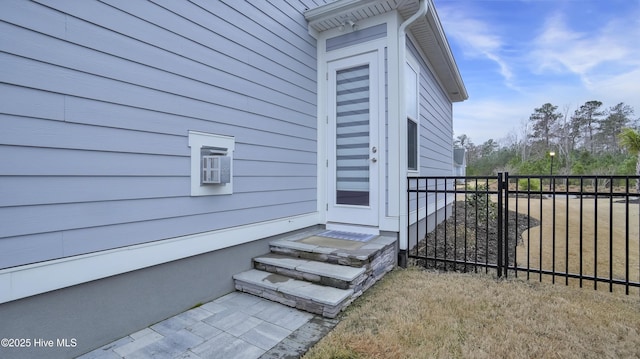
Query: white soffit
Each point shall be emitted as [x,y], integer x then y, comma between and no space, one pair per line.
[427,31]
[333,14]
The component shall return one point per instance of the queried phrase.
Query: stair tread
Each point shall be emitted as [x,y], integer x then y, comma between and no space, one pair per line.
[303,246]
[341,272]
[362,253]
[317,293]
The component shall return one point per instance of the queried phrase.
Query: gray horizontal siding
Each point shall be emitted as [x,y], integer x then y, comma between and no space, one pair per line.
[41,247]
[35,161]
[33,132]
[436,130]
[30,132]
[39,104]
[96,101]
[71,189]
[357,37]
[24,220]
[436,123]
[164,95]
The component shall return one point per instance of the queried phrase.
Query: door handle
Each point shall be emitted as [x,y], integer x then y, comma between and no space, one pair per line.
[374,160]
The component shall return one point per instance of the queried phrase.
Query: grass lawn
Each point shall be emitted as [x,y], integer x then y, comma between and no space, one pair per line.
[592,237]
[418,314]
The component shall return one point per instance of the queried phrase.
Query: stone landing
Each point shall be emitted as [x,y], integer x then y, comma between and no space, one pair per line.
[318,274]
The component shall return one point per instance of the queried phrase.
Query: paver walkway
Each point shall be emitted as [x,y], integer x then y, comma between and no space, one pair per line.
[237,325]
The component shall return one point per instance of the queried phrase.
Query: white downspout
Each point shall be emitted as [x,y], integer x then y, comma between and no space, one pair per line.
[402,125]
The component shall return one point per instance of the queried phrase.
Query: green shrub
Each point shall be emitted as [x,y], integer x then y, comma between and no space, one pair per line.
[627,166]
[479,200]
[532,184]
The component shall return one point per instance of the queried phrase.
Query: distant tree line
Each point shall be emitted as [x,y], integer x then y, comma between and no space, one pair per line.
[587,141]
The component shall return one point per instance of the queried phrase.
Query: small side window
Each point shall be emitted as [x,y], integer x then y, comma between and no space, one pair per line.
[412,145]
[412,106]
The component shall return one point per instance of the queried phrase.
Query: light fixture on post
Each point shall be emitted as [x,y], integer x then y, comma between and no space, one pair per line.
[552,155]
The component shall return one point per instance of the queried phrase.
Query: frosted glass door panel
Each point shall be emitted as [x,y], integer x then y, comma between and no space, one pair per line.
[352,136]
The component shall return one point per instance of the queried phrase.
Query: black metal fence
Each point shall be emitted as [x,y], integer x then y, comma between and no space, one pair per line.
[573,229]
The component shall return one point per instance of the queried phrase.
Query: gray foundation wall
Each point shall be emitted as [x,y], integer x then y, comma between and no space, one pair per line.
[101,311]
[419,230]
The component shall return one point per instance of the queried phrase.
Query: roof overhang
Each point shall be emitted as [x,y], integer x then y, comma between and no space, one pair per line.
[427,31]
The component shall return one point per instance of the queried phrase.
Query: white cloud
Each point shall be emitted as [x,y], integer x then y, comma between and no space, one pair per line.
[605,58]
[476,38]
[490,118]
[569,61]
[624,87]
[559,49]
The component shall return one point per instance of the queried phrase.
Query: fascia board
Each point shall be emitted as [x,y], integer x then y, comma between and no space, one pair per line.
[435,24]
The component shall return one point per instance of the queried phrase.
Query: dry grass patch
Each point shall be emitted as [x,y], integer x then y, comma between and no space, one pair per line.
[608,228]
[418,314]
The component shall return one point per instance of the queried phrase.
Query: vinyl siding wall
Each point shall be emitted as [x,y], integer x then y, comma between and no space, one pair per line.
[435,128]
[357,37]
[436,123]
[96,101]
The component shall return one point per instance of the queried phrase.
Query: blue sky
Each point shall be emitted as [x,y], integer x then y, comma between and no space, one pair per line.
[516,55]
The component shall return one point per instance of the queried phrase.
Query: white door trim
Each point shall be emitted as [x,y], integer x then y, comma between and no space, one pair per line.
[364,215]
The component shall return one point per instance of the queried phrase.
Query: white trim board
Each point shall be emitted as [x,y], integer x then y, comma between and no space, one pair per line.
[25,281]
[324,58]
[366,215]
[422,212]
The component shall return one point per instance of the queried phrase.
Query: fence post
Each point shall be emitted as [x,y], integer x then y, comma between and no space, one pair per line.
[505,219]
[403,253]
[500,255]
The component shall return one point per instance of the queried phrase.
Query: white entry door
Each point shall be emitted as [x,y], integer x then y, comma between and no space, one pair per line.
[352,140]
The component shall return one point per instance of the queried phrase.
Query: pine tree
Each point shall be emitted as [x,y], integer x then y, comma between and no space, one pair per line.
[619,117]
[544,121]
[585,123]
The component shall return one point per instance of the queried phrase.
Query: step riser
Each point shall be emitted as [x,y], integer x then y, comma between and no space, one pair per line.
[320,257]
[308,305]
[382,263]
[294,302]
[338,257]
[313,278]
[378,266]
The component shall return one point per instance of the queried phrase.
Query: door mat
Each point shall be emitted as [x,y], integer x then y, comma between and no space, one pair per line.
[332,243]
[349,236]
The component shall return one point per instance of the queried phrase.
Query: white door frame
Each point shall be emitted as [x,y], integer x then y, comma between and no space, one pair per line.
[368,216]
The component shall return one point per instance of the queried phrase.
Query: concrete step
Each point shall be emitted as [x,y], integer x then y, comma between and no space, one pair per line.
[316,273]
[330,250]
[333,275]
[313,298]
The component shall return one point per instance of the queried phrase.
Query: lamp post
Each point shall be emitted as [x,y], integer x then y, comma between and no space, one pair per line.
[552,155]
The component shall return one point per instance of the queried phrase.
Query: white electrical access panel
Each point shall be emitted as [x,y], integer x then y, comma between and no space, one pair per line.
[216,166]
[211,163]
